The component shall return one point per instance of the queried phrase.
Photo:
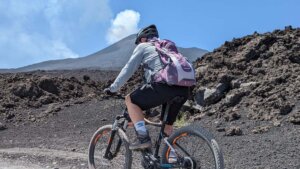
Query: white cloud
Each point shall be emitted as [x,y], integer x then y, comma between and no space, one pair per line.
[125,23]
[61,50]
[68,19]
[21,49]
[38,30]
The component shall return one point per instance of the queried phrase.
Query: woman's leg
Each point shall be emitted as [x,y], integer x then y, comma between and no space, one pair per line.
[137,117]
[168,129]
[135,112]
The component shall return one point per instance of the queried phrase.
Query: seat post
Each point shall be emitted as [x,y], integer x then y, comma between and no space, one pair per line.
[165,116]
[166,112]
[162,129]
[164,121]
[176,99]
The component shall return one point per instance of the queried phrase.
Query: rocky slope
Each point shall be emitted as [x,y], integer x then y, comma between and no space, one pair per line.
[257,76]
[23,92]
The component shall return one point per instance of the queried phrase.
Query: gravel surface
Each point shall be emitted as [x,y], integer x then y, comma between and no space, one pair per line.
[62,140]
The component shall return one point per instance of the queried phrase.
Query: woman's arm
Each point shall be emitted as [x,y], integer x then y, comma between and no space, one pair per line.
[128,70]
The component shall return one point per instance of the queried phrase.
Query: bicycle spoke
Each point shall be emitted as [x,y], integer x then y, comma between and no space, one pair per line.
[116,153]
[197,149]
[182,149]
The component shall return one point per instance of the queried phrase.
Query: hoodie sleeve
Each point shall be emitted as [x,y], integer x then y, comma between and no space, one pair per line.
[128,70]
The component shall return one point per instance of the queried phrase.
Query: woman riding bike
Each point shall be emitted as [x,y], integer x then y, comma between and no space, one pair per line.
[150,94]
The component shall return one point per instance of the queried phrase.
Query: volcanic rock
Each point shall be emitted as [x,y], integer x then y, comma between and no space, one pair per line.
[207,96]
[295,119]
[28,90]
[259,74]
[24,91]
[261,129]
[49,85]
[233,131]
[2,126]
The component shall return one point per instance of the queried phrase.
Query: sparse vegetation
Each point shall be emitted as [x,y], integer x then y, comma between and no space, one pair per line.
[182,119]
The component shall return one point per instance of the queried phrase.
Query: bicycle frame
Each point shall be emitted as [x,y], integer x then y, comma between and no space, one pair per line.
[154,158]
[180,150]
[121,122]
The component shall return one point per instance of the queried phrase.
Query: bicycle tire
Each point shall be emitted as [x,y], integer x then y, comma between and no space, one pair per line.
[199,133]
[96,141]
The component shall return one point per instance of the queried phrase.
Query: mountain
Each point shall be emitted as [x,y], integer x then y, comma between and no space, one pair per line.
[113,57]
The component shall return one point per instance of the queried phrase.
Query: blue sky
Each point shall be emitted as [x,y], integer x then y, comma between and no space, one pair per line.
[39,30]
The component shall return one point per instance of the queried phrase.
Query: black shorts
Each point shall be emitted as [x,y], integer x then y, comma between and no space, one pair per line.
[156,94]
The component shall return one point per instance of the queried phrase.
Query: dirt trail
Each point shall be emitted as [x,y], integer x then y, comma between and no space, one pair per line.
[17,164]
[37,158]
[59,141]
[44,153]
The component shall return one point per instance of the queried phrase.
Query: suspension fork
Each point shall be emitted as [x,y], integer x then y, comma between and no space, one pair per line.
[125,125]
[118,147]
[115,127]
[108,155]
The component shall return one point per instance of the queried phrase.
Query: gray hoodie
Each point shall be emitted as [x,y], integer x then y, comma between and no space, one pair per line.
[144,54]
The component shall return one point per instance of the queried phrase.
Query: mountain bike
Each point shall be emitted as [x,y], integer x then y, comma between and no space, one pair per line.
[189,147]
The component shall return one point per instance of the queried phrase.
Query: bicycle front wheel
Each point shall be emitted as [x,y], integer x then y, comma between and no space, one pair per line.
[118,155]
[195,147]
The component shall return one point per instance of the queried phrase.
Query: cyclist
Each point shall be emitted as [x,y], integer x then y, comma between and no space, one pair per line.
[150,94]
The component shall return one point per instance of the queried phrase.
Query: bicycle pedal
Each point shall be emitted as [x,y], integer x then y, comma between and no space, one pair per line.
[153,158]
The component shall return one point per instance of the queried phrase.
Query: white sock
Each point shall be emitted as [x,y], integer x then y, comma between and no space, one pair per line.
[172,154]
[172,157]
[140,127]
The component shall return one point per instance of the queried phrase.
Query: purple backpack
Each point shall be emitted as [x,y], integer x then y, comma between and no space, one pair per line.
[177,70]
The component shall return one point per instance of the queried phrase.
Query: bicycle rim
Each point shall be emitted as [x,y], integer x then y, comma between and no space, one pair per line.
[98,146]
[196,145]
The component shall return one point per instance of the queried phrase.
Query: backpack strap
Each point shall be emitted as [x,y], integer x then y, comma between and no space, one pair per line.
[160,51]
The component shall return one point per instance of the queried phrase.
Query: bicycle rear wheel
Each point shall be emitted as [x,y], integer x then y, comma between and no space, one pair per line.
[119,156]
[196,146]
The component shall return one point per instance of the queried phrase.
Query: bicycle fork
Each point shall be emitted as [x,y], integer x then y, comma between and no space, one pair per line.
[108,154]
